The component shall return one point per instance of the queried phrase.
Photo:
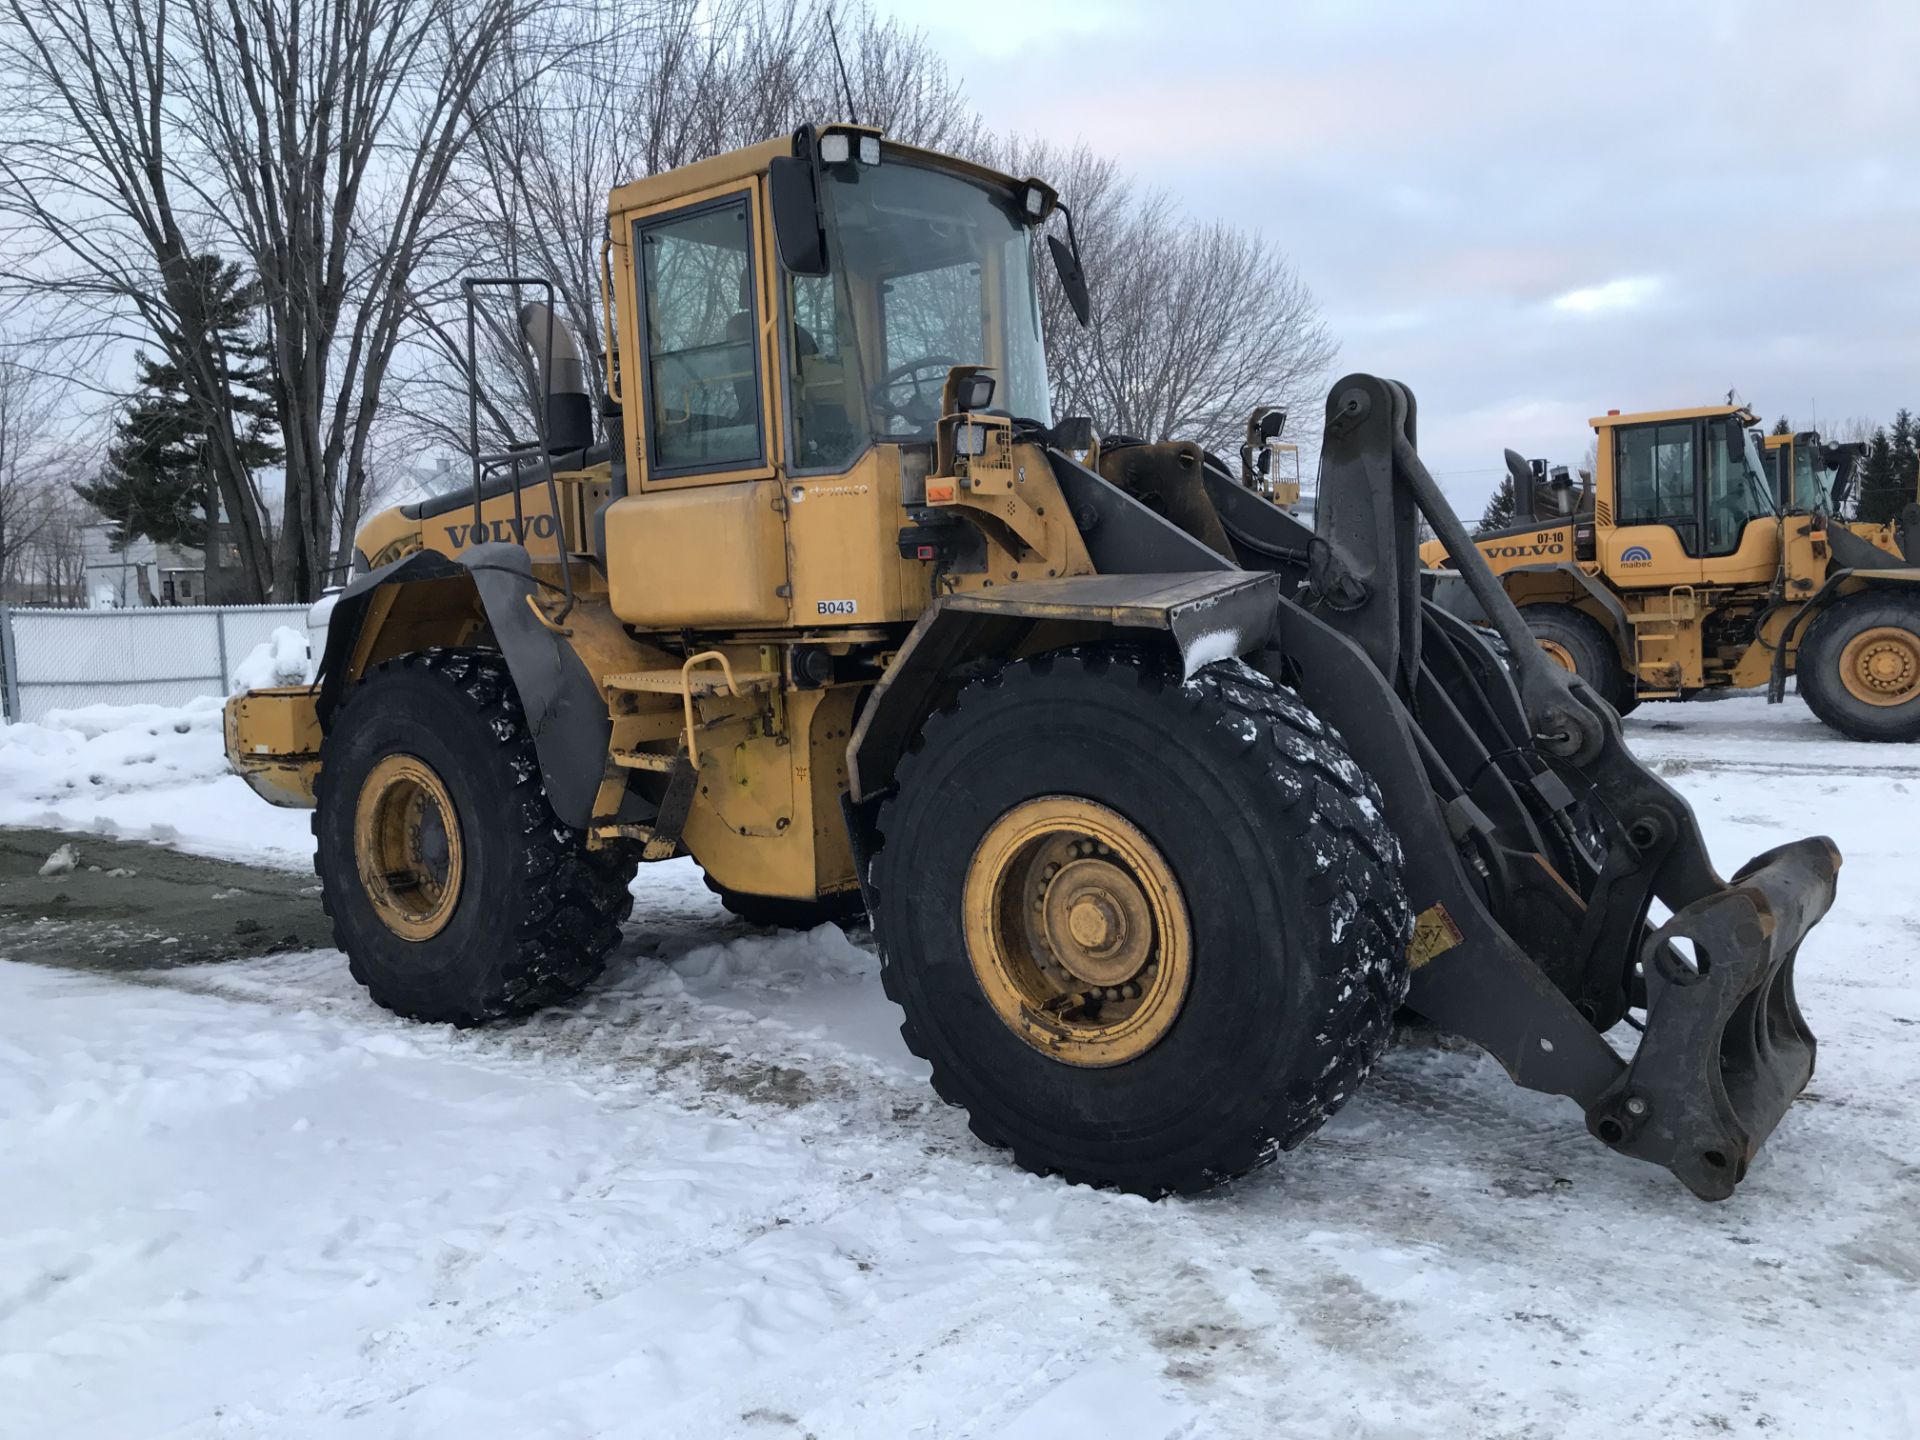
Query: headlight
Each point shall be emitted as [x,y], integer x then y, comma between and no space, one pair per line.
[1035,201]
[869,149]
[834,148]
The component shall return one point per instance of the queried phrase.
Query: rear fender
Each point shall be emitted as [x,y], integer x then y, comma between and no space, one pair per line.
[429,599]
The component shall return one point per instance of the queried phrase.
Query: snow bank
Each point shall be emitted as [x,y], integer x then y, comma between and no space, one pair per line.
[145,772]
[282,659]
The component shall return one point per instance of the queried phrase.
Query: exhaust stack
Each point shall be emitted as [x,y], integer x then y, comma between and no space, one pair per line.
[563,378]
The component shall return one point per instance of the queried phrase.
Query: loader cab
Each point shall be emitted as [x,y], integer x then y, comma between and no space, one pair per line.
[786,319]
[1808,475]
[749,361]
[1683,498]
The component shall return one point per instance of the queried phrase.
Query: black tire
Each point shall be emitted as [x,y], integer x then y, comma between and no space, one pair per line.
[1595,660]
[536,911]
[1819,663]
[781,913]
[1291,881]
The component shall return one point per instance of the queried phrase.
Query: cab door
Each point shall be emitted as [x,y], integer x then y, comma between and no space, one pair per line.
[1741,534]
[701,540]
[1657,536]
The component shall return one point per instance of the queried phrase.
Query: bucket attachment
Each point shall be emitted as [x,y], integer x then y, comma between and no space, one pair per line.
[1535,843]
[1725,1049]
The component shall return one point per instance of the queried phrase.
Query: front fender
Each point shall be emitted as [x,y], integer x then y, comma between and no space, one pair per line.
[1205,616]
[566,713]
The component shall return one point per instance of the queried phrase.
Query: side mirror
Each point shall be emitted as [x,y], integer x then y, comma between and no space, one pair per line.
[1736,437]
[1074,432]
[796,216]
[1073,280]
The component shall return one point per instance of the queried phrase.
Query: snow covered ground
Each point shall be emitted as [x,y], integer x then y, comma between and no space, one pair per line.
[715,1197]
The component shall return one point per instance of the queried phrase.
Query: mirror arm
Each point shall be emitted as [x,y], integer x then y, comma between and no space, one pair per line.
[1073,241]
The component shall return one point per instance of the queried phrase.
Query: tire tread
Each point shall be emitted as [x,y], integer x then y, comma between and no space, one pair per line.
[571,900]
[1295,756]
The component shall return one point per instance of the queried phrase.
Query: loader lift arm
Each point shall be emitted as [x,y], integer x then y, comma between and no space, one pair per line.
[1724,1048]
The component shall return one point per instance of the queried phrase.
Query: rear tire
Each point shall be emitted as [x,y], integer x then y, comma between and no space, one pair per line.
[782,913]
[510,911]
[1286,885]
[1859,666]
[1578,643]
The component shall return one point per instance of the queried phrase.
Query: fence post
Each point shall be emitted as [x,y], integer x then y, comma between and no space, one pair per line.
[9,668]
[220,636]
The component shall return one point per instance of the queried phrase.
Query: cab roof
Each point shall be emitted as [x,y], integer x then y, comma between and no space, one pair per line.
[752,160]
[1697,412]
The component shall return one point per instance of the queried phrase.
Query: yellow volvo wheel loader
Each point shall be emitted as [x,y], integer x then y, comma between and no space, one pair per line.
[1704,557]
[1161,802]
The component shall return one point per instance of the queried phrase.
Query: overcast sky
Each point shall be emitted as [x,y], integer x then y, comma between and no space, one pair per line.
[1528,212]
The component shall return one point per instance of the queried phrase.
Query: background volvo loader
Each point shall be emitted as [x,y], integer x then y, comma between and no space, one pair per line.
[1161,803]
[1704,557]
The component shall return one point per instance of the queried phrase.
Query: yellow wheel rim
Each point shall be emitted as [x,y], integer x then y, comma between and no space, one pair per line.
[1557,653]
[1882,666]
[1077,931]
[407,840]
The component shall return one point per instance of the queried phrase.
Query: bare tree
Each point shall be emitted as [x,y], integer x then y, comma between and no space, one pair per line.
[600,93]
[104,214]
[1193,323]
[55,563]
[316,138]
[23,463]
[333,129]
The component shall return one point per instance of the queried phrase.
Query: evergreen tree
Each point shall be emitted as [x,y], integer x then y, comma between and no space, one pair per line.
[1782,426]
[156,482]
[1904,452]
[1882,490]
[1499,512]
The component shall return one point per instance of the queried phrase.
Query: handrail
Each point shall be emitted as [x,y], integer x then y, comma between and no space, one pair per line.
[686,693]
[469,285]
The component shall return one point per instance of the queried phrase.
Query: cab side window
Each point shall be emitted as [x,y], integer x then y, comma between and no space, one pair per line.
[702,356]
[1655,468]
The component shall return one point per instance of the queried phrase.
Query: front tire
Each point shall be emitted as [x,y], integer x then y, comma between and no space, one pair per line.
[1230,941]
[1859,666]
[455,891]
[1576,642]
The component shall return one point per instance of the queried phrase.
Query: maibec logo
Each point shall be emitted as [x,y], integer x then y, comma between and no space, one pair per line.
[1636,555]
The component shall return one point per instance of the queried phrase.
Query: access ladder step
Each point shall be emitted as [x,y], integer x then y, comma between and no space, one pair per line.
[674,807]
[661,839]
[701,682]
[661,760]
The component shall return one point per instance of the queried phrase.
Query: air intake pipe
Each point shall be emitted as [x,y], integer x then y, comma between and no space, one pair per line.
[561,376]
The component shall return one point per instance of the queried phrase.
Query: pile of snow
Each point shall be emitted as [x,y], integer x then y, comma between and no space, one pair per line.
[61,862]
[284,659]
[145,772]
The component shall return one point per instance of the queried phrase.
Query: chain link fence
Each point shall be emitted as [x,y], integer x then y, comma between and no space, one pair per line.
[60,659]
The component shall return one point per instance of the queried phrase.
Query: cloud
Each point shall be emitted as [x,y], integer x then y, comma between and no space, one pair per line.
[1525,218]
[1625,294]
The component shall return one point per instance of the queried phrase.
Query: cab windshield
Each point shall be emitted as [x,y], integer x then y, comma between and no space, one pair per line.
[1804,473]
[927,270]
